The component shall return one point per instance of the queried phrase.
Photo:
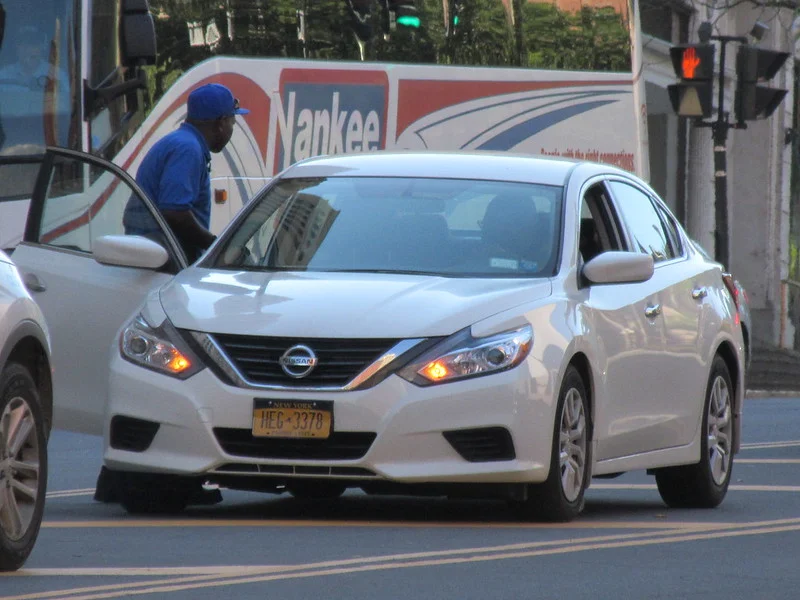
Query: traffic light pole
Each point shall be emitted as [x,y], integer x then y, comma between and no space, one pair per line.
[692,97]
[719,131]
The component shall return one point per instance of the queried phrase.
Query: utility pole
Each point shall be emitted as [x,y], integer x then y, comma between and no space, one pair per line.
[719,136]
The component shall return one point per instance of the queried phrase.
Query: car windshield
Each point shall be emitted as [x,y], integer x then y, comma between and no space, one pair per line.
[448,227]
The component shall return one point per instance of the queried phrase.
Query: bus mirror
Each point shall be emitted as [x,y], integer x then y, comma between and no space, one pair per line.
[96,98]
[138,39]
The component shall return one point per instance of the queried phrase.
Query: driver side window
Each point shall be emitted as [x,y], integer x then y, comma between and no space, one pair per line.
[598,230]
[72,218]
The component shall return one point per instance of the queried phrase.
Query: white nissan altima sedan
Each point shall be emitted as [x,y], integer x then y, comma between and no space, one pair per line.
[458,324]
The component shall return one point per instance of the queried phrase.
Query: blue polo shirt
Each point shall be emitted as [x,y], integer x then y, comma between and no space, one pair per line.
[174,174]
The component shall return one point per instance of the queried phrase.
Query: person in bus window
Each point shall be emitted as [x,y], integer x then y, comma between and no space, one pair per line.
[33,87]
[175,171]
[30,69]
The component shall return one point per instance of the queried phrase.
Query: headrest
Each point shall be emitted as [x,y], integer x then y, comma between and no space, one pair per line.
[511,222]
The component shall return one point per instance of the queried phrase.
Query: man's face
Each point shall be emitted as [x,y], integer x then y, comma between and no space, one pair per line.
[224,131]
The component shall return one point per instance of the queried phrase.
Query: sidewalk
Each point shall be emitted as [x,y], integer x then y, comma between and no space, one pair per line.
[774,373]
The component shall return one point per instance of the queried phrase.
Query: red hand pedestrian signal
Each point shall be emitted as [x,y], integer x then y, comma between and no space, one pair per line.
[690,62]
[692,96]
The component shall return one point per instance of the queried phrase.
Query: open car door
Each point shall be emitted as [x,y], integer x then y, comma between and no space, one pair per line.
[76,259]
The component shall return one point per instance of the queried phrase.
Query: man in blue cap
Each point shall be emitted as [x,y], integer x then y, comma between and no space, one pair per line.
[175,172]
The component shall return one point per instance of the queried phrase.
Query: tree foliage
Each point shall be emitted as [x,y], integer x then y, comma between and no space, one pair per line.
[190,31]
[592,39]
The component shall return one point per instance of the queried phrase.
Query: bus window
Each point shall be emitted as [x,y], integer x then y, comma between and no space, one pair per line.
[38,76]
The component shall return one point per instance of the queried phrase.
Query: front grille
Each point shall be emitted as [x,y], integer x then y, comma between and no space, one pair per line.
[341,445]
[339,360]
[484,444]
[133,435]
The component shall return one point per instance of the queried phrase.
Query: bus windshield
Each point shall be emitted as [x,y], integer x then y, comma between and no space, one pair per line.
[38,50]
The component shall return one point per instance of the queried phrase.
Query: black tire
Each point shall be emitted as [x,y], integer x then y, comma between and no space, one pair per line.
[146,494]
[561,497]
[22,425]
[316,490]
[705,483]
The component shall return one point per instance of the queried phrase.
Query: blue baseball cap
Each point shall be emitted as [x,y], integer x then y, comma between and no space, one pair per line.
[212,101]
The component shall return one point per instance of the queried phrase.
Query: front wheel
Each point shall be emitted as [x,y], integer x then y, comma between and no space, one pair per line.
[23,466]
[561,496]
[705,483]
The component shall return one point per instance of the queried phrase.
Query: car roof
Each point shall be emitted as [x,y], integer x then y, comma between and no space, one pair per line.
[492,166]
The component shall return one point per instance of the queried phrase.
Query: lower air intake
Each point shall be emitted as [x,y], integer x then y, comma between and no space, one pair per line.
[484,444]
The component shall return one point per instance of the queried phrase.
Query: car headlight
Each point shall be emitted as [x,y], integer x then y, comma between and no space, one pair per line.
[461,356]
[159,348]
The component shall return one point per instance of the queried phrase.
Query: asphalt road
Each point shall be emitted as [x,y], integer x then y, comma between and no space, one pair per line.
[626,545]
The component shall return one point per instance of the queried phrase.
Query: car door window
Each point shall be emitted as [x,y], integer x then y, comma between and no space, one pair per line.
[643,221]
[671,227]
[75,209]
[598,228]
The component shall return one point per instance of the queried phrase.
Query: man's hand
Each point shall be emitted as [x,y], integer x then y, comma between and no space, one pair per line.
[188,229]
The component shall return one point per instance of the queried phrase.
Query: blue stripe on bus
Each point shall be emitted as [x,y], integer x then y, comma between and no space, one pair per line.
[519,133]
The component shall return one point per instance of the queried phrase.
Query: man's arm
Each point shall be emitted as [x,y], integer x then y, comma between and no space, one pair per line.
[187,228]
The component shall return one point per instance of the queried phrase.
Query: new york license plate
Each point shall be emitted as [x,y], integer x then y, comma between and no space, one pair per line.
[292,418]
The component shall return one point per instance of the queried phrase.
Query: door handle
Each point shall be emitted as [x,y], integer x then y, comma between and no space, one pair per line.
[33,283]
[699,293]
[651,312]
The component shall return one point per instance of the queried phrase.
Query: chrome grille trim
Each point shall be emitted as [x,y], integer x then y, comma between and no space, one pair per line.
[218,354]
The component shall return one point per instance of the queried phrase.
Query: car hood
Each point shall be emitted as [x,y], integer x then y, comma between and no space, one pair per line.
[353,305]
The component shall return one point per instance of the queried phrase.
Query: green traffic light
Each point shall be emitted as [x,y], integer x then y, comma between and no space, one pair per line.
[408,21]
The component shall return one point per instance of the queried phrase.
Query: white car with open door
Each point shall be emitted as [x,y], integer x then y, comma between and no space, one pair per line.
[453,323]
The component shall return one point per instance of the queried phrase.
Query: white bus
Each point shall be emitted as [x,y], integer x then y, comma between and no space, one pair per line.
[110,77]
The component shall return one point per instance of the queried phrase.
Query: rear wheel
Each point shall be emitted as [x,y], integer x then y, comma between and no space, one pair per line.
[23,466]
[561,496]
[705,484]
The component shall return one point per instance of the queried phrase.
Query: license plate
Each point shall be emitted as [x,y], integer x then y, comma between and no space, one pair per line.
[292,418]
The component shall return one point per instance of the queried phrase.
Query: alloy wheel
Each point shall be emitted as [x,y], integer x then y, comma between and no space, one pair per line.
[19,468]
[720,430]
[572,445]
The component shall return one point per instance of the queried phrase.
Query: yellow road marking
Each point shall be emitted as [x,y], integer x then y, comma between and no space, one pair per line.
[259,574]
[133,523]
[596,486]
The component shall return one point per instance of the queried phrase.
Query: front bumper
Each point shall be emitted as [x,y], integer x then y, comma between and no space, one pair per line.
[492,429]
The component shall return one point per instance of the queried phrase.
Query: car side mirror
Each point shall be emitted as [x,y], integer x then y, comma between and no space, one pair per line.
[619,267]
[129,251]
